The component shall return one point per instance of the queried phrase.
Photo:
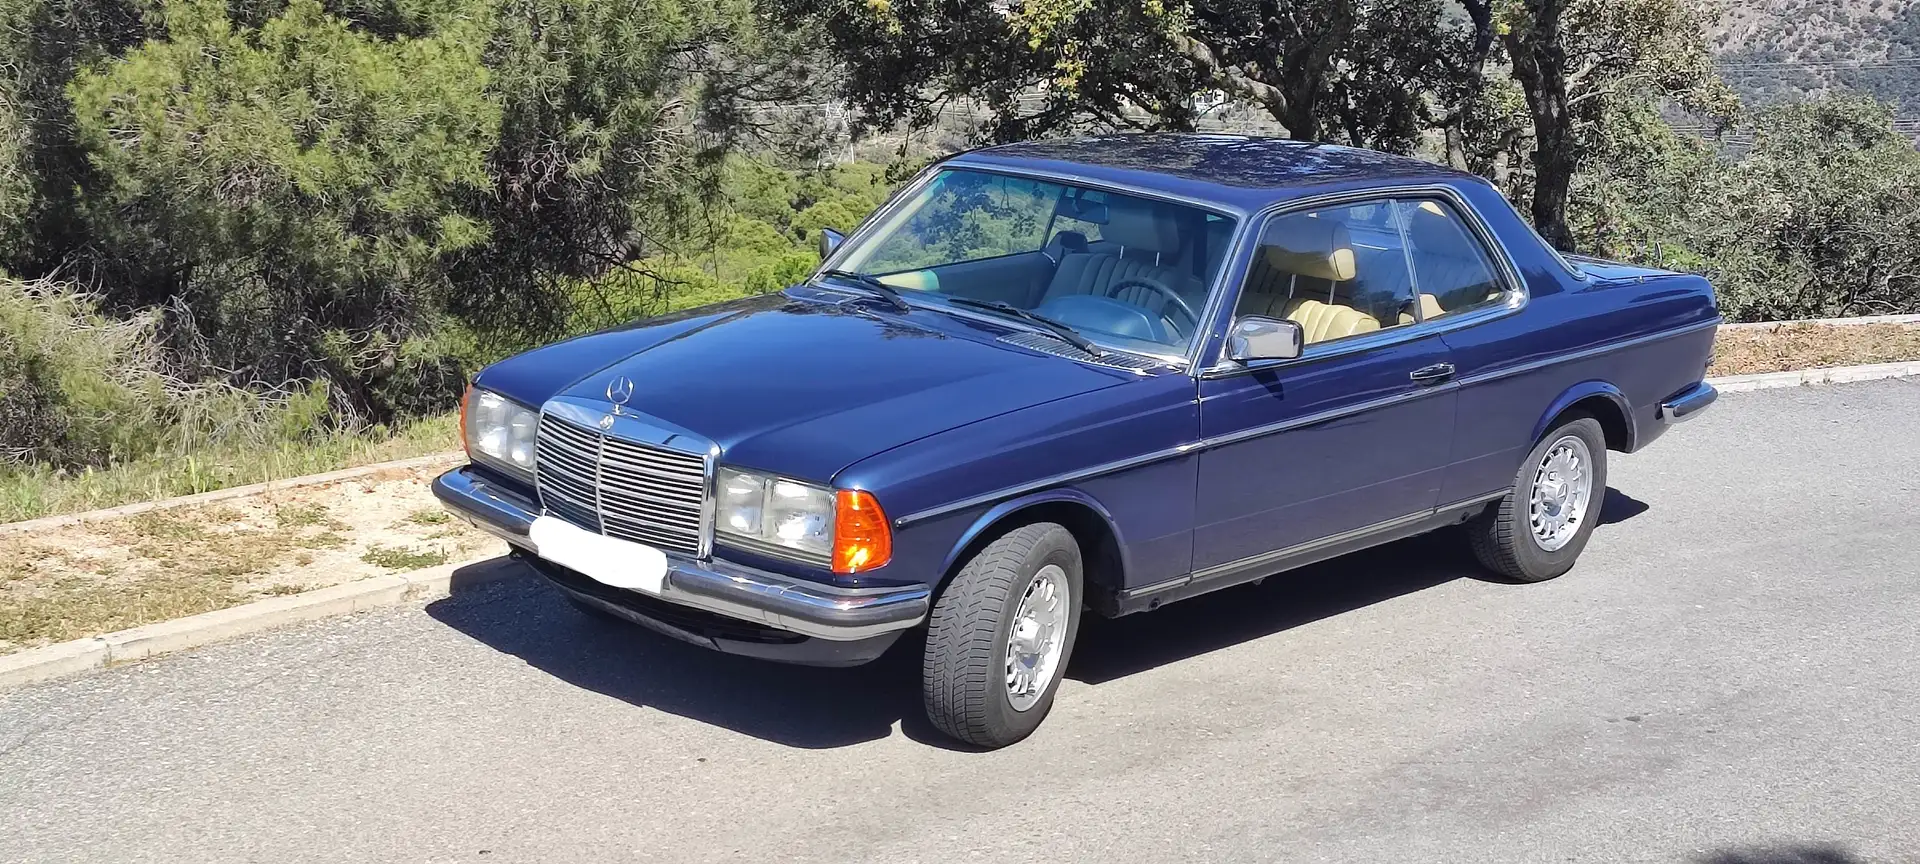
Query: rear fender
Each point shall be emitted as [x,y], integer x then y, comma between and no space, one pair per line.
[1587,390]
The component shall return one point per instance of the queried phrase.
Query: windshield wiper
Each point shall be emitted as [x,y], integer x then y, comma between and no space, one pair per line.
[1063,332]
[875,287]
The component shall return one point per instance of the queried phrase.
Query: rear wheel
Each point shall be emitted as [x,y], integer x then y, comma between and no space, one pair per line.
[1000,636]
[1537,531]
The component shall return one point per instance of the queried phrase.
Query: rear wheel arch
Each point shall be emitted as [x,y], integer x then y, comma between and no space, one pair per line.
[1601,401]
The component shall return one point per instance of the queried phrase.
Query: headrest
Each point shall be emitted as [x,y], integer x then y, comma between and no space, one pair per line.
[1142,225]
[1306,246]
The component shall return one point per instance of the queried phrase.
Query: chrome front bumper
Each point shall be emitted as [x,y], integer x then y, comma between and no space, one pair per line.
[747,594]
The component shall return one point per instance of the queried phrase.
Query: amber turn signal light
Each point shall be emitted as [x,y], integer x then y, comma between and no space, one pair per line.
[862,540]
[466,399]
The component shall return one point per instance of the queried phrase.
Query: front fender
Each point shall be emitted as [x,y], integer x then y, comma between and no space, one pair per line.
[1587,390]
[1000,512]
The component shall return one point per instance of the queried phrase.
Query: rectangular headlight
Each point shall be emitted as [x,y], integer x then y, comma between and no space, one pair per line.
[499,432]
[793,517]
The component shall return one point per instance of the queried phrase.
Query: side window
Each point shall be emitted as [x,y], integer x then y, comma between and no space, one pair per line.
[1339,272]
[1450,266]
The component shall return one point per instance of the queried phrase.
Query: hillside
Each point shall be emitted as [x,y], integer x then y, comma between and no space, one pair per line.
[1780,49]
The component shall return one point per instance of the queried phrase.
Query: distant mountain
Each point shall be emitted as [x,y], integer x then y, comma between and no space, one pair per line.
[1772,50]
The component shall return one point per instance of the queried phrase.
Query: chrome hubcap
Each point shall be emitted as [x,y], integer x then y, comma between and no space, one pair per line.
[1562,491]
[1038,634]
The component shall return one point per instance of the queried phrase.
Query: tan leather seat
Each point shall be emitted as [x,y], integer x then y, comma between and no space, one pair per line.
[1301,282]
[1429,309]
[1324,321]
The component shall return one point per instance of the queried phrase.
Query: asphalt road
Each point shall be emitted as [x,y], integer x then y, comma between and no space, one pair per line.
[1732,674]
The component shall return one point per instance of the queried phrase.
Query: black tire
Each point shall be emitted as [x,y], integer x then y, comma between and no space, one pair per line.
[1503,537]
[963,671]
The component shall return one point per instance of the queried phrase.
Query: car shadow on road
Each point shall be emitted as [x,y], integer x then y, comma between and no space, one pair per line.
[1617,507]
[797,706]
[817,708]
[1116,648]
[1813,854]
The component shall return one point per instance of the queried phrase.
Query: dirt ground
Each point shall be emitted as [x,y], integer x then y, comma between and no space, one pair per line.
[1749,350]
[97,577]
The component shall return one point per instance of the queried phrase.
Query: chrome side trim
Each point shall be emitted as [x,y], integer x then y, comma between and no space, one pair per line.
[1276,555]
[1169,453]
[1586,353]
[1475,501]
[1043,483]
[1282,426]
[1326,416]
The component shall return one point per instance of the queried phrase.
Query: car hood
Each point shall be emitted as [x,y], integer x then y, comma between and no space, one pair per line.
[791,383]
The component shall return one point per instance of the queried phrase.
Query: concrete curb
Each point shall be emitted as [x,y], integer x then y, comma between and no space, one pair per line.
[1802,377]
[64,519]
[125,646]
[1825,322]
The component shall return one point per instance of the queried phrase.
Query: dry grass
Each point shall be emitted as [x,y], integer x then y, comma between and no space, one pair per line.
[1748,351]
[30,491]
[84,580]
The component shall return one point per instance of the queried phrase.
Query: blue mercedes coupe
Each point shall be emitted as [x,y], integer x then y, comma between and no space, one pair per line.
[1099,375]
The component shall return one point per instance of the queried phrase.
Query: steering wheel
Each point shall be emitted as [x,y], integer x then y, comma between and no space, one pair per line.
[1172,298]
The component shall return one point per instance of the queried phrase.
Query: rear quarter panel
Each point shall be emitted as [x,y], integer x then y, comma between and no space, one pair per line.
[1642,334]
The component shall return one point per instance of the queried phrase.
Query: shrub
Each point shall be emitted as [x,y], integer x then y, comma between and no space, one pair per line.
[78,389]
[286,182]
[1816,219]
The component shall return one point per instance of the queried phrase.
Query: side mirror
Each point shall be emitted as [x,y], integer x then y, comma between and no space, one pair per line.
[829,241]
[1256,337]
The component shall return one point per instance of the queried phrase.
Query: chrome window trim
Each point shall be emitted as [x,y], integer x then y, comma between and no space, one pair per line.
[1202,334]
[1515,291]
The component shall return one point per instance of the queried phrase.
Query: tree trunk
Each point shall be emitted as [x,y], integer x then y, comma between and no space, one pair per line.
[1553,168]
[1540,67]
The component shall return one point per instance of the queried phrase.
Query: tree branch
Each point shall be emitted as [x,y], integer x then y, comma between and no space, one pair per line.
[1233,79]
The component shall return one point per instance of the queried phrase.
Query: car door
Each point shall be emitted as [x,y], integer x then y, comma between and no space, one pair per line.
[1351,437]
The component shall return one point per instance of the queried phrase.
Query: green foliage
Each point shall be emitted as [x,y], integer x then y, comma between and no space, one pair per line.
[757,234]
[77,388]
[1818,219]
[1337,70]
[285,181]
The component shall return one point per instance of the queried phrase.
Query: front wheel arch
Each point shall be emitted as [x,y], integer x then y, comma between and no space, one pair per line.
[1104,554]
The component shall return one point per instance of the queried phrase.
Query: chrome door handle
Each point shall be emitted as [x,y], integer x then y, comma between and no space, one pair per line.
[1434,374]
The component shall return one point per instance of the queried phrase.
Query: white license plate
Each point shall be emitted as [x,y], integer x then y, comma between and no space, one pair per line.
[619,563]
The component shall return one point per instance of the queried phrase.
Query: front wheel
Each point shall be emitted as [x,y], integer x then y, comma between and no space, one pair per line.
[1000,636]
[1538,530]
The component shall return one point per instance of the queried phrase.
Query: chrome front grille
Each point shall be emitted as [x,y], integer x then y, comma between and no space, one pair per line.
[621,488]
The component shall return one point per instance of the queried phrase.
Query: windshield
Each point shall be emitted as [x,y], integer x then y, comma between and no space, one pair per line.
[1123,271]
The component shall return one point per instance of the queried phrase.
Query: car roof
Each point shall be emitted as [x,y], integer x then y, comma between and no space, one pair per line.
[1236,172]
